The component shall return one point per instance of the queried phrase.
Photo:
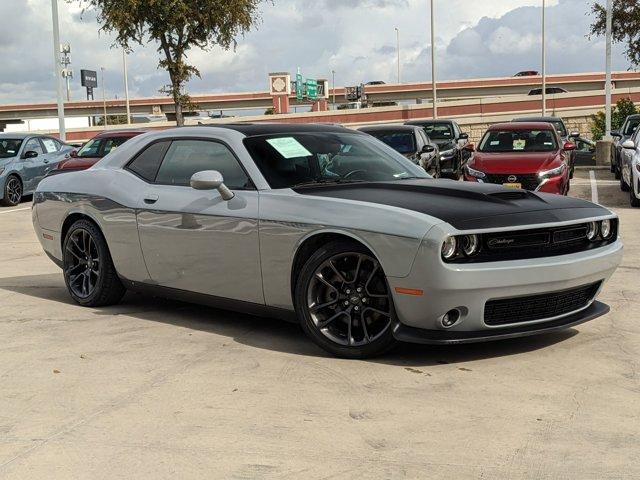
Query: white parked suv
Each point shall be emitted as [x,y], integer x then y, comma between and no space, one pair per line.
[630,168]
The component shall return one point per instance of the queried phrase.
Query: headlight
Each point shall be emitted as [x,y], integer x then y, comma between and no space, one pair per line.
[470,245]
[592,231]
[605,229]
[474,173]
[449,248]
[447,153]
[553,172]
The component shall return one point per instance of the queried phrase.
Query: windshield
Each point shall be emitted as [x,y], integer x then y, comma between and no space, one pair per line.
[438,131]
[402,142]
[9,147]
[287,160]
[630,127]
[500,141]
[99,147]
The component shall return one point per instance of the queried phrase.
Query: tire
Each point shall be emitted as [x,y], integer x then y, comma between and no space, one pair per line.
[89,273]
[633,200]
[12,191]
[623,186]
[340,273]
[617,173]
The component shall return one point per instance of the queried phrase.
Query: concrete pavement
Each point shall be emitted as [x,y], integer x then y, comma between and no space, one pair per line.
[158,389]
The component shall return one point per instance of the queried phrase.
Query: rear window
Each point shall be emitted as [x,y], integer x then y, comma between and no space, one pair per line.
[438,131]
[9,147]
[503,141]
[402,142]
[631,127]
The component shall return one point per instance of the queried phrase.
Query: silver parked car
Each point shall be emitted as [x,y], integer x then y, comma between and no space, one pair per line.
[327,226]
[25,159]
[630,168]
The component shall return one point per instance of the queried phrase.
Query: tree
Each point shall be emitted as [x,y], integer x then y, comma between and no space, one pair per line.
[176,26]
[112,120]
[625,25]
[622,109]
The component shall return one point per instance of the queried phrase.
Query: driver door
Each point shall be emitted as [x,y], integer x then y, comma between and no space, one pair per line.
[193,240]
[35,168]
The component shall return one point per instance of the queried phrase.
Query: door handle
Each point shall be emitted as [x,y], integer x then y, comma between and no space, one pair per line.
[45,160]
[150,199]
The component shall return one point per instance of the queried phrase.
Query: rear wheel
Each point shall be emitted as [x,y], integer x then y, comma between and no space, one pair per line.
[12,191]
[633,200]
[623,186]
[89,273]
[617,173]
[343,301]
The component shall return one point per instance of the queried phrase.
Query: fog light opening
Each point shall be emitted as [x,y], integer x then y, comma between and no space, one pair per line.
[450,318]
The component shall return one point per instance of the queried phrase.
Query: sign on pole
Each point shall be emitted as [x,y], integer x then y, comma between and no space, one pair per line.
[299,84]
[312,89]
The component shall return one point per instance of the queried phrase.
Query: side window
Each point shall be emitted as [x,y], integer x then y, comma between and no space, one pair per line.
[33,145]
[147,162]
[186,157]
[50,145]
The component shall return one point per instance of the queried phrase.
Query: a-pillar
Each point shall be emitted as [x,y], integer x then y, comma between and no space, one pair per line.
[280,89]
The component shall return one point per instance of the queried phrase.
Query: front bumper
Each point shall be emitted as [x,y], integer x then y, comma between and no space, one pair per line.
[468,287]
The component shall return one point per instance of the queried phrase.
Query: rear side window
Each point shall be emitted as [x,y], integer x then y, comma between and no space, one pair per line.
[147,163]
[186,157]
[50,145]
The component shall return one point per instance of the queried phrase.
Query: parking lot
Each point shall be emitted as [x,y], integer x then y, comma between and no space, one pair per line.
[159,389]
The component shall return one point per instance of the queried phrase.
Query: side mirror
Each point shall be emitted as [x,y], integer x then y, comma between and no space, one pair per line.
[568,146]
[74,153]
[574,134]
[30,154]
[629,145]
[428,149]
[616,133]
[211,180]
[464,136]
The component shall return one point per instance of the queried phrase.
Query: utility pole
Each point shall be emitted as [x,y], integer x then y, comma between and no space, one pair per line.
[608,70]
[58,69]
[126,85]
[434,89]
[544,61]
[104,98]
[398,50]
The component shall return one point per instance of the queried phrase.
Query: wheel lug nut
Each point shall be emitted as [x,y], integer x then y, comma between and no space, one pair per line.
[347,291]
[365,300]
[356,308]
[359,289]
[346,303]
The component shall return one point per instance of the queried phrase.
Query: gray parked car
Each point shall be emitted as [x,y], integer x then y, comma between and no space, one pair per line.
[620,136]
[25,159]
[327,226]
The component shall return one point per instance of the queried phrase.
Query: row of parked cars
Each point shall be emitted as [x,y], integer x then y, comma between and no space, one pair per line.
[625,161]
[533,153]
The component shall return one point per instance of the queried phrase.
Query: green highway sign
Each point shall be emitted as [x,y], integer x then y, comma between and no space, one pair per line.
[312,89]
[299,86]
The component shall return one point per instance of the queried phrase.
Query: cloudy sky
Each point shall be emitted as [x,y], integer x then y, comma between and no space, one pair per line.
[356,38]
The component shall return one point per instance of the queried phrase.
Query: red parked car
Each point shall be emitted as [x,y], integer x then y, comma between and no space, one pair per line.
[522,155]
[96,148]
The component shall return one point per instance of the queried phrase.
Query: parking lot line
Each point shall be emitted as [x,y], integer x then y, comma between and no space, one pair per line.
[594,186]
[16,210]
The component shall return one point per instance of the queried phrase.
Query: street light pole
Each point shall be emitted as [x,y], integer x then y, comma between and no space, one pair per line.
[58,69]
[126,85]
[398,50]
[104,98]
[608,70]
[434,89]
[544,61]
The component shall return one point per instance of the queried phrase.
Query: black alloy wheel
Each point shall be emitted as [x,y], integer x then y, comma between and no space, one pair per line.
[344,303]
[89,273]
[623,185]
[12,191]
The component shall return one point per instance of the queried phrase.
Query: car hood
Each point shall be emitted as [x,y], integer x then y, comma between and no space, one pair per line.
[77,163]
[464,205]
[523,162]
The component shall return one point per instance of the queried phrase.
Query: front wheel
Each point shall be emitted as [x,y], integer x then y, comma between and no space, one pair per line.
[343,301]
[633,200]
[623,186]
[12,191]
[89,273]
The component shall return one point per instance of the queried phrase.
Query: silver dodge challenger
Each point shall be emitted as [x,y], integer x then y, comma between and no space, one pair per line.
[328,227]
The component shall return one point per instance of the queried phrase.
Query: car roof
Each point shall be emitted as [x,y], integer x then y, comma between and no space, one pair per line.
[254,129]
[633,117]
[389,128]
[422,122]
[521,125]
[18,135]
[537,119]
[120,133]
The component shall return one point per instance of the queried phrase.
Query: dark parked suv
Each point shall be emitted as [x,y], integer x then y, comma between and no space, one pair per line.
[453,144]
[564,134]
[619,137]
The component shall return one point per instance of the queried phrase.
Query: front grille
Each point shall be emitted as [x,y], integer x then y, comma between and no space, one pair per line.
[528,181]
[538,307]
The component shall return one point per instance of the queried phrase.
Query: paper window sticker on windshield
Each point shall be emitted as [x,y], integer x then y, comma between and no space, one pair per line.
[548,143]
[519,144]
[289,147]
[493,143]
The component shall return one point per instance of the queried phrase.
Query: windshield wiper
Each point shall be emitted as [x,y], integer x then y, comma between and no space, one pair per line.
[326,181]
